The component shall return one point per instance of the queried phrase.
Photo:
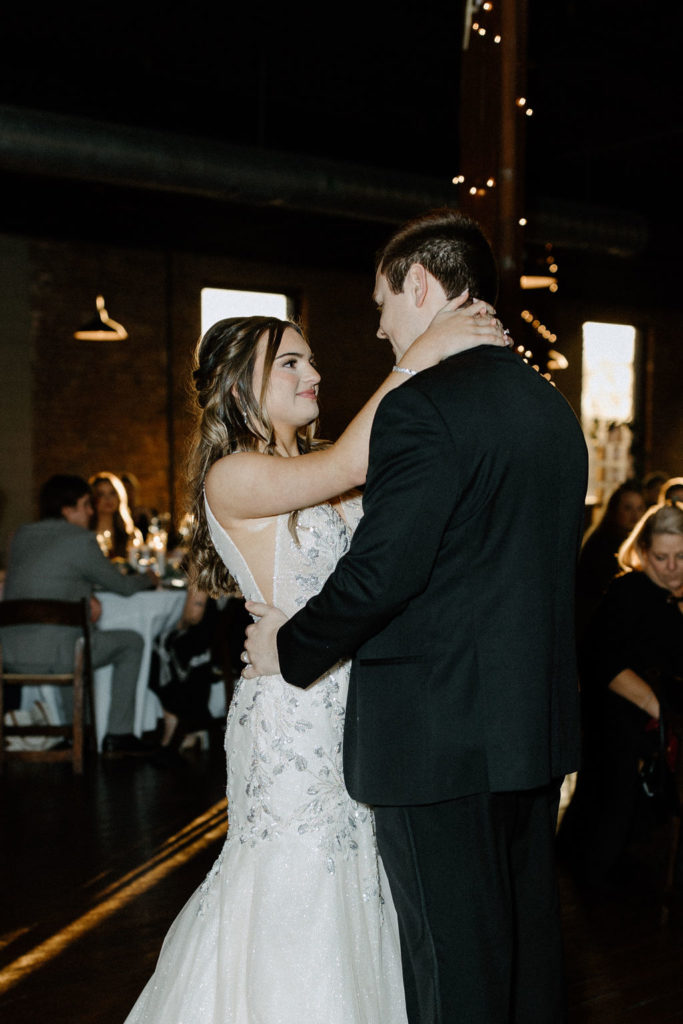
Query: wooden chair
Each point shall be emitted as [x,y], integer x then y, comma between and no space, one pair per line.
[54,613]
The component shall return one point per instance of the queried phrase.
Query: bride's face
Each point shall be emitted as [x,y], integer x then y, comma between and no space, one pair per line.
[292,394]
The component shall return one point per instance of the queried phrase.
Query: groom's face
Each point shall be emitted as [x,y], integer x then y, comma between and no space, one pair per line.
[401,319]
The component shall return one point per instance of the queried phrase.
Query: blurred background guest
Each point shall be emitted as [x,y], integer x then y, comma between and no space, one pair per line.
[598,563]
[184,667]
[652,484]
[112,521]
[671,489]
[631,667]
[59,559]
[140,515]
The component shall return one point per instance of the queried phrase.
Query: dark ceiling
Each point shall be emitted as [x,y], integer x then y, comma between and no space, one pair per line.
[377,88]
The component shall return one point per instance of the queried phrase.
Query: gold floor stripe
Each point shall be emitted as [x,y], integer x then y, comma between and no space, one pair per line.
[10,937]
[173,853]
[184,838]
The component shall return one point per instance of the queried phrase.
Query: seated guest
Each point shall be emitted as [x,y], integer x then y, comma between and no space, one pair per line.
[58,558]
[598,563]
[652,484]
[111,520]
[631,664]
[183,669]
[139,515]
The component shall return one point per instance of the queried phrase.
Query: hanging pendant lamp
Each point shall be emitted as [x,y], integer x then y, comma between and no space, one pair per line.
[101,327]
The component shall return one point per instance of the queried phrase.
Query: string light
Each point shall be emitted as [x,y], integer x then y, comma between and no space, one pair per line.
[475,190]
[475,12]
[527,281]
[478,28]
[555,360]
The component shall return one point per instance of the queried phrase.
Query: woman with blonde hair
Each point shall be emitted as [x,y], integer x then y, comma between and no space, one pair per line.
[295,921]
[631,666]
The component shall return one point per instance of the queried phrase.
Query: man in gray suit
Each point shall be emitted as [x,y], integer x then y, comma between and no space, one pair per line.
[58,558]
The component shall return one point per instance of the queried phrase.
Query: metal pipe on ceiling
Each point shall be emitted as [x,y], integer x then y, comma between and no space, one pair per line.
[40,144]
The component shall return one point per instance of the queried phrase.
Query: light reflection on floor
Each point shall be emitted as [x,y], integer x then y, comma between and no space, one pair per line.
[173,853]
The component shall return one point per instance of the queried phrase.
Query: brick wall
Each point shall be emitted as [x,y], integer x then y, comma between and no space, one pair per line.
[128,405]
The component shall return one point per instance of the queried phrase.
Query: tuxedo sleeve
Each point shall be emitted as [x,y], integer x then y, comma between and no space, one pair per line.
[410,494]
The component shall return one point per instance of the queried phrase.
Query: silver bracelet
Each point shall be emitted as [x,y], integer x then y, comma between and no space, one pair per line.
[403,369]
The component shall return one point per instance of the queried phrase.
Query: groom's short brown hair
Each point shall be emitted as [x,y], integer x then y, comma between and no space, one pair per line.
[452,247]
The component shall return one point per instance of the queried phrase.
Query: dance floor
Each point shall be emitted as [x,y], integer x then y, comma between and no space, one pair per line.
[95,869]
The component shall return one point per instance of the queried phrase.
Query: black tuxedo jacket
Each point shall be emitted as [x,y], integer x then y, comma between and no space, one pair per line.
[456,598]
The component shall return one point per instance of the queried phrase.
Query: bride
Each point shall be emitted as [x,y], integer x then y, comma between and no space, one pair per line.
[294,922]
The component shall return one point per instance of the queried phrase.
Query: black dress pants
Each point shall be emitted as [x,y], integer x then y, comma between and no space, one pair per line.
[475,887]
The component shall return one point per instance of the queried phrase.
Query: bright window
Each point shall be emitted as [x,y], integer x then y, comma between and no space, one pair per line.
[608,373]
[607,406]
[219,303]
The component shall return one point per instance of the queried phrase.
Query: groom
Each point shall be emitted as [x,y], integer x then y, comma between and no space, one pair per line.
[456,602]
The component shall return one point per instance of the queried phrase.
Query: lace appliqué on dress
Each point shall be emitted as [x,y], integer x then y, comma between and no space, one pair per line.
[296,891]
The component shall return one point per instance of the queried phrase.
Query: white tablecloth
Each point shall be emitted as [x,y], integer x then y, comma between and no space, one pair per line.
[149,613]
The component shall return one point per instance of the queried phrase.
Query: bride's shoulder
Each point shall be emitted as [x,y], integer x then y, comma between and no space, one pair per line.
[230,469]
[227,478]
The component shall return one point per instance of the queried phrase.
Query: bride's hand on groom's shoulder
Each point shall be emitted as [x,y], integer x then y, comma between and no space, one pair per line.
[260,655]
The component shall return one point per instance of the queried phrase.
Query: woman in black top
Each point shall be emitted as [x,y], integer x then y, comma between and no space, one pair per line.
[631,663]
[598,563]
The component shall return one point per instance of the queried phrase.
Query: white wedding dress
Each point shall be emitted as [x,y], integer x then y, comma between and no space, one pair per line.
[294,924]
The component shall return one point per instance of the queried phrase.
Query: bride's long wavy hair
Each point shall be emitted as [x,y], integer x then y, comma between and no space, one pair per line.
[231,418]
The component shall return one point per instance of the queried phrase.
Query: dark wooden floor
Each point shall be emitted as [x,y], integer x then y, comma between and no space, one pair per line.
[95,869]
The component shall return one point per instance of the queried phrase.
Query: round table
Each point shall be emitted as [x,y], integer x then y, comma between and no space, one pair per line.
[149,612]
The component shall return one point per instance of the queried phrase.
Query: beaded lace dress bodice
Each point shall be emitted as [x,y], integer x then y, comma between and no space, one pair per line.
[286,772]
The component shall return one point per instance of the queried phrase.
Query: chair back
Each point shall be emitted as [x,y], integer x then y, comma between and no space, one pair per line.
[36,611]
[43,612]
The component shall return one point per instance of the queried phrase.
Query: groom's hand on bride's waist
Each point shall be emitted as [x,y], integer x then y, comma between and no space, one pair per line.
[260,656]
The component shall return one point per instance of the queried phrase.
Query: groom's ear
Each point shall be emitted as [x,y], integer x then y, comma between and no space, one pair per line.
[417,284]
